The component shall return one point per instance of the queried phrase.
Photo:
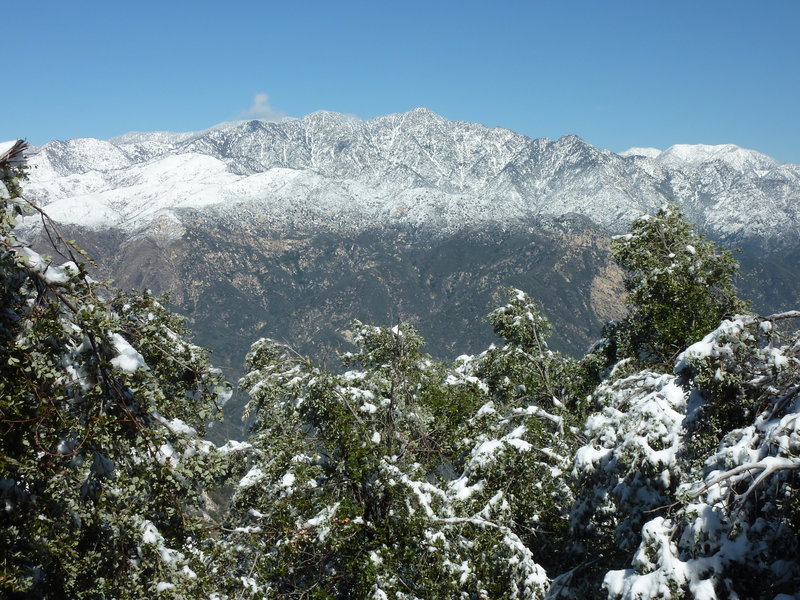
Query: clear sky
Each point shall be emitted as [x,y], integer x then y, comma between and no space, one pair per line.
[618,74]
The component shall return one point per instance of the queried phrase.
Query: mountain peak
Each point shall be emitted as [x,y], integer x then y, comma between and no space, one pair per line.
[422,111]
[423,114]
[571,139]
[651,153]
[330,115]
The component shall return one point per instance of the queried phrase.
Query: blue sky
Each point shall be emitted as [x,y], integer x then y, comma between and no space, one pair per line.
[618,74]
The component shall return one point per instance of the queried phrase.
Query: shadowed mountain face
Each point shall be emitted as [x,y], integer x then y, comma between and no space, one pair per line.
[305,288]
[291,230]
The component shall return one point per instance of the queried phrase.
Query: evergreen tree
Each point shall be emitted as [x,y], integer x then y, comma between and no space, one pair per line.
[686,484]
[679,285]
[732,529]
[530,418]
[101,405]
[353,495]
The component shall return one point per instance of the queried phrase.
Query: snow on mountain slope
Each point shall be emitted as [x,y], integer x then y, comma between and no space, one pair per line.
[59,159]
[646,152]
[415,169]
[134,196]
[681,156]
[696,155]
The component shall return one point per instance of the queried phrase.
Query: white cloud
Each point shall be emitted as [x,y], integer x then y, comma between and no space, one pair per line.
[261,109]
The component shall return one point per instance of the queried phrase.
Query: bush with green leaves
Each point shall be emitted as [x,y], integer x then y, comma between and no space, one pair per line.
[352,494]
[733,530]
[666,440]
[520,442]
[687,485]
[102,403]
[628,467]
[679,287]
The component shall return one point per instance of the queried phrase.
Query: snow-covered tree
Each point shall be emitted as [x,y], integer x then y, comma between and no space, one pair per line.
[351,492]
[734,528]
[628,467]
[679,286]
[521,440]
[687,483]
[101,406]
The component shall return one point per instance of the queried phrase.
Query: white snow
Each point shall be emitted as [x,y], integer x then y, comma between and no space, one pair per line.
[295,172]
[253,476]
[151,535]
[128,358]
[54,275]
[233,446]
[587,458]
[697,155]
[709,345]
[167,453]
[6,146]
[368,407]
[485,451]
[461,489]
[646,152]
[176,425]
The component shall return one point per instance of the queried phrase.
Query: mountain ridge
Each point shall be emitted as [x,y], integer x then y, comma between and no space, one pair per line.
[413,168]
[289,230]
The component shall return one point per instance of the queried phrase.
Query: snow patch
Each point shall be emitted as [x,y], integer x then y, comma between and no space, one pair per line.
[128,358]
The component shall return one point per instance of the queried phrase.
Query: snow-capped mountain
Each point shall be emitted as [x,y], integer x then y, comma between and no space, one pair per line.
[290,230]
[416,169]
[682,156]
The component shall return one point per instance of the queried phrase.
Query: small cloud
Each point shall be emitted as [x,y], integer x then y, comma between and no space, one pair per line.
[261,109]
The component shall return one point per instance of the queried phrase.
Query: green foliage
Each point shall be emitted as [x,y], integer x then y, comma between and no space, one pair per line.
[100,462]
[536,396]
[679,287]
[728,521]
[350,492]
[525,369]
[734,374]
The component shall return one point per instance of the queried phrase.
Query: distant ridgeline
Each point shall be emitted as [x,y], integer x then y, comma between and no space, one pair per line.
[660,465]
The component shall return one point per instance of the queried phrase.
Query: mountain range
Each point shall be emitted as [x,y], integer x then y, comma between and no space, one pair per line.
[291,229]
[415,169]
